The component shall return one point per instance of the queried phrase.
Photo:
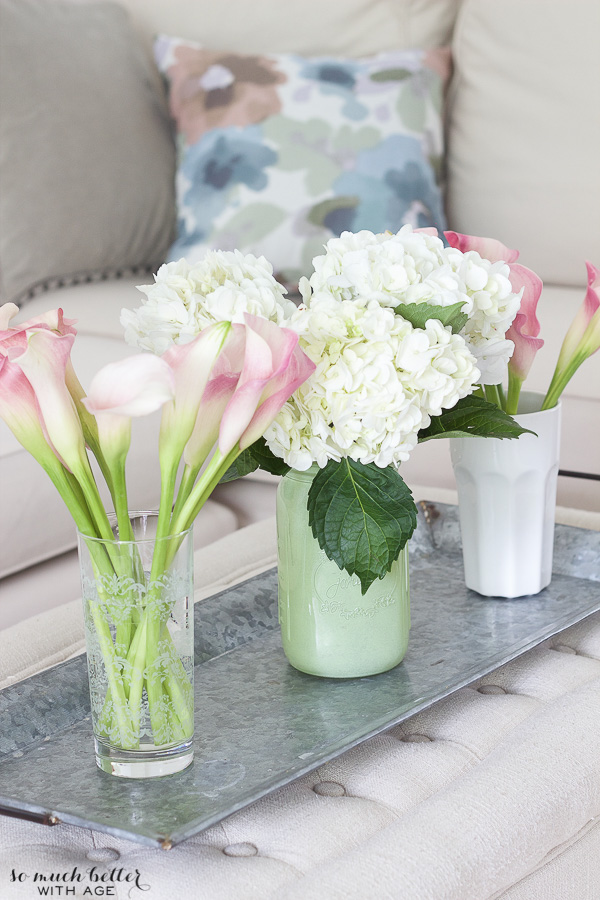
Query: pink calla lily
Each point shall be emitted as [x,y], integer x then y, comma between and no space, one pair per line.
[488,248]
[217,395]
[525,329]
[18,335]
[259,369]
[526,347]
[192,365]
[43,360]
[19,409]
[581,340]
[274,366]
[14,344]
[586,320]
[135,386]
[7,312]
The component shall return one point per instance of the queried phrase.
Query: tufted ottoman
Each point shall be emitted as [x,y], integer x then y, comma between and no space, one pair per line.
[493,792]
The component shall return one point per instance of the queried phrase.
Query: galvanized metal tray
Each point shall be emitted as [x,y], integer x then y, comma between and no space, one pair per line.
[259,723]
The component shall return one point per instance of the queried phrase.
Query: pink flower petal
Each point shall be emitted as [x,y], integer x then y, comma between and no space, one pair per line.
[583,319]
[488,248]
[526,346]
[273,368]
[192,365]
[523,278]
[135,386]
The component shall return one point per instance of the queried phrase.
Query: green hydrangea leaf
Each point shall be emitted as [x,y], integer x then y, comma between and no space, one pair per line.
[419,313]
[256,456]
[472,417]
[243,465]
[266,459]
[362,516]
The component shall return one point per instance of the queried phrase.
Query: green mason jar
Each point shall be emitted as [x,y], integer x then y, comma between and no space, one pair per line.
[328,627]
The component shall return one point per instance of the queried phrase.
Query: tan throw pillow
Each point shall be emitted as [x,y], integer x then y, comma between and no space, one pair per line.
[86,153]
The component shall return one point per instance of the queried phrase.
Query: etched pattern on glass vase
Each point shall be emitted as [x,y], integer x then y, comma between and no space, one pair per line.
[122,606]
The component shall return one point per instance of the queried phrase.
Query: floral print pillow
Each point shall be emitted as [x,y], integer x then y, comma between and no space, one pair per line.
[279,153]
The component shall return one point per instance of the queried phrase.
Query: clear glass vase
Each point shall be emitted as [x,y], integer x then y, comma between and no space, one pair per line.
[139,625]
[328,627]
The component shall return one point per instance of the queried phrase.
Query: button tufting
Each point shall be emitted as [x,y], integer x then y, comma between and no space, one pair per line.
[562,648]
[491,689]
[329,789]
[242,849]
[416,739]
[103,854]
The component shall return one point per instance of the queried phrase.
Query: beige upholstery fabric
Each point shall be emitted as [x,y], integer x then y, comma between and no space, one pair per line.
[489,794]
[524,131]
[337,28]
[86,154]
[572,872]
[96,307]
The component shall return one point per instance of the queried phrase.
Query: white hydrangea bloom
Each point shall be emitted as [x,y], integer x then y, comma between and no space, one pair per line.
[186,298]
[416,267]
[494,304]
[377,382]
[492,355]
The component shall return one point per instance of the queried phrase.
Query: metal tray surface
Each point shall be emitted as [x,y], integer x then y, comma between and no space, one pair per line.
[260,724]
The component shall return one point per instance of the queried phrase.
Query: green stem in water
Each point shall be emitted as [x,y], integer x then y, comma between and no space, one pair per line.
[123,635]
[136,656]
[128,738]
[148,657]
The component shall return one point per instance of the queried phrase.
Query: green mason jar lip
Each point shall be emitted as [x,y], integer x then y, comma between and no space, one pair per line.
[302,475]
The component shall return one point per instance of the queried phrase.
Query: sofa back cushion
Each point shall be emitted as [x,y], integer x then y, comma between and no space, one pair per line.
[308,27]
[524,131]
[86,150]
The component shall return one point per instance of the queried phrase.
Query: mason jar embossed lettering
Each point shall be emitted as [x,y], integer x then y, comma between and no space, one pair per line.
[138,612]
[328,627]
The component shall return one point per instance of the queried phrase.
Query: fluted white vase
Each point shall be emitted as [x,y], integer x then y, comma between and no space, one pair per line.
[507,503]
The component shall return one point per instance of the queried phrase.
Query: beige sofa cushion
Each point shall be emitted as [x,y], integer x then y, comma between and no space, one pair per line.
[86,153]
[336,28]
[524,131]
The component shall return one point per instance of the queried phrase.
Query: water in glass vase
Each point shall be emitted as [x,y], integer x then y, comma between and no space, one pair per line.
[328,627]
[138,613]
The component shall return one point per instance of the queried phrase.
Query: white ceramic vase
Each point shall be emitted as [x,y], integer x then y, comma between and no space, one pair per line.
[507,502]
